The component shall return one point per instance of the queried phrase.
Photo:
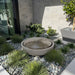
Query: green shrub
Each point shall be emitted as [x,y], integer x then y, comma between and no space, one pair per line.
[24,35]
[65,49]
[37,28]
[16,38]
[31,34]
[35,68]
[58,41]
[54,56]
[70,45]
[69,8]
[5,48]
[51,31]
[40,30]
[38,35]
[17,58]
[2,40]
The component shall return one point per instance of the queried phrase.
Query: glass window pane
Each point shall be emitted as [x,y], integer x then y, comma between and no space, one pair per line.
[6,17]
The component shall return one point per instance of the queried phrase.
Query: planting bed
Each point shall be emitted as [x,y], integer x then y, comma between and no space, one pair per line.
[52,67]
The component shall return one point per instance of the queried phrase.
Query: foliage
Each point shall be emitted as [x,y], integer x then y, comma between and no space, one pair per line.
[2,40]
[17,58]
[69,8]
[31,34]
[35,68]
[51,31]
[70,45]
[5,48]
[58,41]
[38,35]
[54,56]
[16,38]
[65,49]
[37,28]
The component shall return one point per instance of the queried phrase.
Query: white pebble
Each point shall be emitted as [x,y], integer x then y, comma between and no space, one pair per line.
[36,58]
[42,60]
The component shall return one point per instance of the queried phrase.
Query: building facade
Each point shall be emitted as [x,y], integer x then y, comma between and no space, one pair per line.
[19,13]
[9,17]
[49,13]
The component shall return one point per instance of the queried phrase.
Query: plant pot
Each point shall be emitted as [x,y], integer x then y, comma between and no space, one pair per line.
[68,34]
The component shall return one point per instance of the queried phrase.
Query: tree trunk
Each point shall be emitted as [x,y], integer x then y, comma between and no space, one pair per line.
[73,23]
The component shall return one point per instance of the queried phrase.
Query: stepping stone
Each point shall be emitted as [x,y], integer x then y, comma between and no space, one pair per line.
[70,69]
[3,71]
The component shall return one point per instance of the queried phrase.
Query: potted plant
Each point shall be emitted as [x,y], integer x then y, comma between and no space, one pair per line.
[69,8]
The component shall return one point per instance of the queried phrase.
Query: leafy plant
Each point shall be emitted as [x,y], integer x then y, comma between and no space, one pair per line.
[5,48]
[69,8]
[58,41]
[37,28]
[65,49]
[51,31]
[31,34]
[70,45]
[2,40]
[16,38]
[38,35]
[54,56]
[17,58]
[35,68]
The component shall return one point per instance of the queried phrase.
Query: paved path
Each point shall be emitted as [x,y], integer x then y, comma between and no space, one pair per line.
[70,69]
[3,71]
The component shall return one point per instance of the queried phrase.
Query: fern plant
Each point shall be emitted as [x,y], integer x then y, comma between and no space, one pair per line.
[17,58]
[5,48]
[35,68]
[54,56]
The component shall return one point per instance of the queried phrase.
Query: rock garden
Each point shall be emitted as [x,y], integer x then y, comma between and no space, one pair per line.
[17,61]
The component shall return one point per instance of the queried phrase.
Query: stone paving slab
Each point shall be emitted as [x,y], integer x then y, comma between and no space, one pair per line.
[3,71]
[70,69]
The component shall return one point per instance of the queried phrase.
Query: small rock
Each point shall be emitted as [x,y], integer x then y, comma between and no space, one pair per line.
[36,58]
[42,60]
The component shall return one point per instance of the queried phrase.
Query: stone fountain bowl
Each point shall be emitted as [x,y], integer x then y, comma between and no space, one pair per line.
[37,46]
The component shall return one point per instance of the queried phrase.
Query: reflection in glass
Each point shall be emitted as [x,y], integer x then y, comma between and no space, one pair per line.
[6,17]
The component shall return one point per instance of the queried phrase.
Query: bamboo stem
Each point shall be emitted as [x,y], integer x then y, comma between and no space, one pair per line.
[73,23]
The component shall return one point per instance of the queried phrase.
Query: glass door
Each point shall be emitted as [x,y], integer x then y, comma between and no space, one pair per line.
[6,18]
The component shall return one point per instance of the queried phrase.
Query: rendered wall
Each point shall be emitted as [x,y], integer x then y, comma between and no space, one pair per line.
[49,13]
[45,12]
[25,13]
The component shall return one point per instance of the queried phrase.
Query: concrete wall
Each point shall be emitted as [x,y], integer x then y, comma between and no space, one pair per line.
[45,12]
[25,13]
[49,13]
